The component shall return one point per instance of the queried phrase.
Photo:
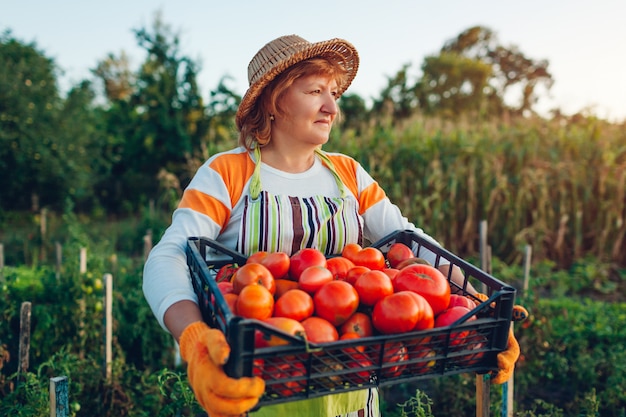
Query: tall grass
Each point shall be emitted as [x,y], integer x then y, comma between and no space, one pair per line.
[557,186]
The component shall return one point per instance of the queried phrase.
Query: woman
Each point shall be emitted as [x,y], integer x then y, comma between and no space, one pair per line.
[278,191]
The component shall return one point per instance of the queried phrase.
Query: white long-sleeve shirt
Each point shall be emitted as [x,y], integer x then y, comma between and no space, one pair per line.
[212,207]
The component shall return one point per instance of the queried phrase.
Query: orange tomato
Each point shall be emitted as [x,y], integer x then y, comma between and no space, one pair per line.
[255,302]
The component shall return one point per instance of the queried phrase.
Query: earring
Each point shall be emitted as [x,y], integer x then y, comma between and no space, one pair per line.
[271,117]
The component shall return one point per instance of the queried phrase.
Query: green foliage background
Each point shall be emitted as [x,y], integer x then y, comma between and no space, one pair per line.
[103,167]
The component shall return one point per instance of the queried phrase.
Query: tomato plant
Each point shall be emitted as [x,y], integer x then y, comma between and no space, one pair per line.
[303,259]
[370,257]
[427,281]
[276,262]
[320,330]
[255,302]
[312,278]
[295,304]
[359,323]
[372,286]
[336,301]
[396,313]
[397,253]
[253,273]
[339,266]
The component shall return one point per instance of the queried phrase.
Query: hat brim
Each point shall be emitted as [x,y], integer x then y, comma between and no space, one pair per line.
[336,50]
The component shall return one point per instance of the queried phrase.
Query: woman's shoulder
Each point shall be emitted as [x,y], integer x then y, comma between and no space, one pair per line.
[233,159]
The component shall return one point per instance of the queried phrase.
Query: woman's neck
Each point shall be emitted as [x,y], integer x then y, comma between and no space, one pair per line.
[288,160]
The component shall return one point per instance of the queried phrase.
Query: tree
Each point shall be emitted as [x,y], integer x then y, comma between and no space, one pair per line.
[452,84]
[510,66]
[398,99]
[29,105]
[155,117]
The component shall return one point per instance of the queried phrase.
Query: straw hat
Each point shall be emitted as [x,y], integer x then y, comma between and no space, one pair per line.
[282,53]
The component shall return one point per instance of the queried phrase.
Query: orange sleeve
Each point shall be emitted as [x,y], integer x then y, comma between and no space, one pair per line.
[234,170]
[347,169]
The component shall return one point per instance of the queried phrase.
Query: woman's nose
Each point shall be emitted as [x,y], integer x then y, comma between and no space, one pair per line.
[330,104]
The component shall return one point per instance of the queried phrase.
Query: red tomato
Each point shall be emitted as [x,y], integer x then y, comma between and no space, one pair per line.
[293,374]
[339,266]
[255,302]
[225,287]
[450,316]
[412,261]
[396,313]
[359,323]
[422,352]
[226,272]
[427,281]
[372,286]
[426,319]
[397,253]
[336,301]
[294,304]
[312,278]
[319,330]
[276,262]
[253,274]
[391,272]
[394,358]
[289,326]
[354,273]
[370,257]
[303,259]
[360,361]
[231,301]
[284,285]
[461,300]
[350,336]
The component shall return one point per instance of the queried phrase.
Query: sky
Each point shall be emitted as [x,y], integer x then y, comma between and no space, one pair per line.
[583,41]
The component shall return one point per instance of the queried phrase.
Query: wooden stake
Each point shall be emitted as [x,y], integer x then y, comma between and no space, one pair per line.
[24,345]
[59,259]
[1,263]
[528,253]
[108,325]
[483,383]
[59,397]
[83,260]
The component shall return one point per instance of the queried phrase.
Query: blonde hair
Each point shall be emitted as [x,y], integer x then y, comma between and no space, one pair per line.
[256,128]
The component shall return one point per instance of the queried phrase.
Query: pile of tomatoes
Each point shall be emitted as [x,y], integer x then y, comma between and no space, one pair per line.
[360,293]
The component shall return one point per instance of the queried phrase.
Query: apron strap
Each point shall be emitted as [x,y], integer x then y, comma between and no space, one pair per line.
[329,164]
[255,181]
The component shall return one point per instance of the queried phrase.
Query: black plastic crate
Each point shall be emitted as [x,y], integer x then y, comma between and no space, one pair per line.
[299,370]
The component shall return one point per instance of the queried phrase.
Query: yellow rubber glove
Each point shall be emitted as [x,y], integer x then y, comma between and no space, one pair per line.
[508,357]
[519,312]
[205,350]
[506,360]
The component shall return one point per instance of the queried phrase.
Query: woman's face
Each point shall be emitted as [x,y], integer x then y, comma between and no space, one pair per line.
[310,107]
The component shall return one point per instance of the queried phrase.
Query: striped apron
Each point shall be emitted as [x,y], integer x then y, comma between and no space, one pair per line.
[283,223]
